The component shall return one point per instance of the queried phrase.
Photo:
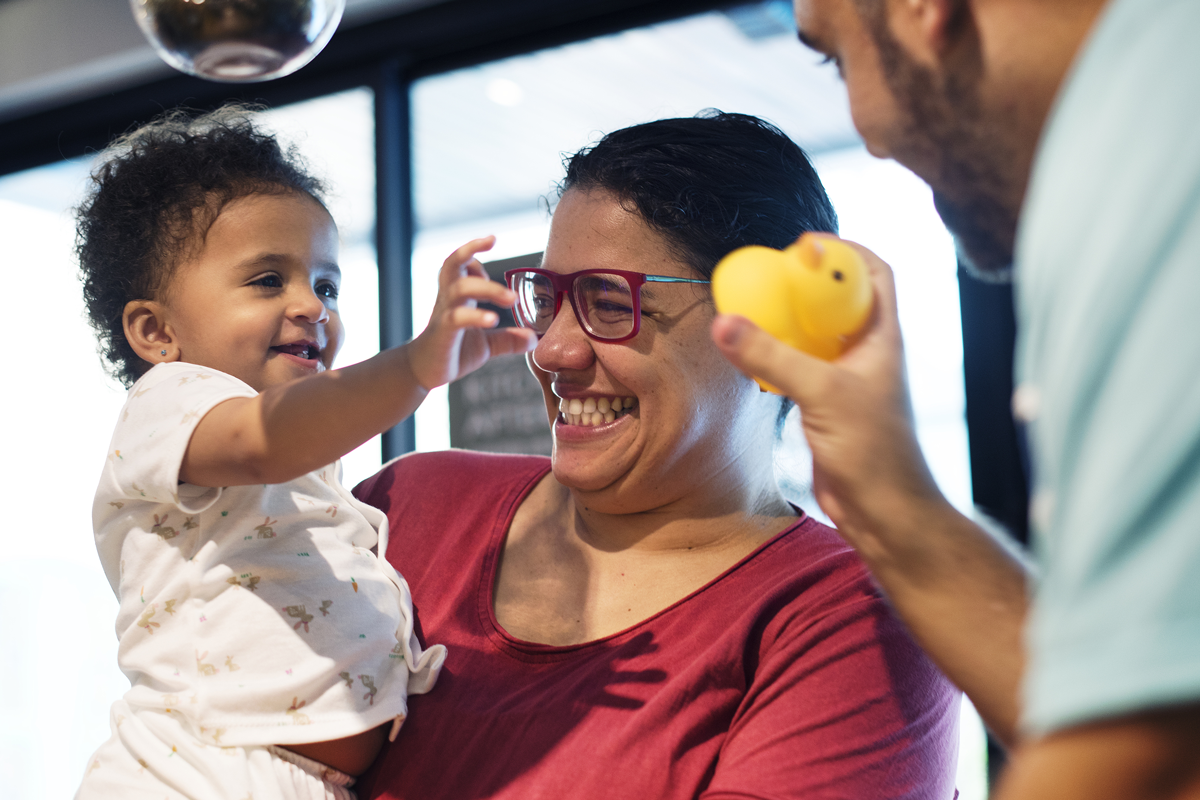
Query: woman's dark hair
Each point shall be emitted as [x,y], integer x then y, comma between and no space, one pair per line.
[709,184]
[155,194]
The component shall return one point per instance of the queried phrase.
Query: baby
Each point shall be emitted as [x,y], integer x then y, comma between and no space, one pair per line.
[270,646]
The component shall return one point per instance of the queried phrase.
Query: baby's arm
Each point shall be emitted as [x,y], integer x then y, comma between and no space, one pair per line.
[289,430]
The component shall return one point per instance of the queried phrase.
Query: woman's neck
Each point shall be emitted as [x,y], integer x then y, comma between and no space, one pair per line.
[727,507]
[571,572]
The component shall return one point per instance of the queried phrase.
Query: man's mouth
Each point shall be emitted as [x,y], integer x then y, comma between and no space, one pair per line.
[305,350]
[592,411]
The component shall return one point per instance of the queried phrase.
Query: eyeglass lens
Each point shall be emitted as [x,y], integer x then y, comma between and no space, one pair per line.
[604,302]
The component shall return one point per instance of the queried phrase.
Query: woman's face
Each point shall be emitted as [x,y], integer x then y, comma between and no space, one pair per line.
[694,419]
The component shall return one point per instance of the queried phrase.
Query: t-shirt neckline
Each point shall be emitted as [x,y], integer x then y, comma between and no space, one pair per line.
[538,651]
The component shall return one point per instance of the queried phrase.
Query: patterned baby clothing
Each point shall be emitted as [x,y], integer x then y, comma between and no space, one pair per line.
[256,615]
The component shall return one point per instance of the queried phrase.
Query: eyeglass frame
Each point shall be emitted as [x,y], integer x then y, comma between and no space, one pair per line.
[563,283]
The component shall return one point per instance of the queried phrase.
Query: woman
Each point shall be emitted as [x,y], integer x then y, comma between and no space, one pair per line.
[643,615]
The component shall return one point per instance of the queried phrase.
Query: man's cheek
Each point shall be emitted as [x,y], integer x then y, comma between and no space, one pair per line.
[875,115]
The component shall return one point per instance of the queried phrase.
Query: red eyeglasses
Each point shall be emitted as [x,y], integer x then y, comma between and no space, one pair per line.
[607,303]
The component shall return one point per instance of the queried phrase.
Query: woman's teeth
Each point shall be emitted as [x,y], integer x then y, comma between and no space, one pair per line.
[594,411]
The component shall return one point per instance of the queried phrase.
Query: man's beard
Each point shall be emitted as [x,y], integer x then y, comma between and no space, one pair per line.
[965,159]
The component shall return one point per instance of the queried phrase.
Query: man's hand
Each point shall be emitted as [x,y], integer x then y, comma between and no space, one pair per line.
[960,592]
[856,414]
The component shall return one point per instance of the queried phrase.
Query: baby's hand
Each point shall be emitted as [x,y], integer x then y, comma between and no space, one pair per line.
[457,339]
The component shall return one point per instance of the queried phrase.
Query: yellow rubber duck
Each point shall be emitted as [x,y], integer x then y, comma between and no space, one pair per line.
[813,295]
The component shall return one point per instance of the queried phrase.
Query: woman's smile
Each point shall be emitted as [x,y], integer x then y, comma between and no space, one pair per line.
[594,411]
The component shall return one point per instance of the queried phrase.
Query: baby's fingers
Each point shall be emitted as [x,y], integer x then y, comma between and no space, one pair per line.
[471,317]
[462,261]
[479,290]
[508,341]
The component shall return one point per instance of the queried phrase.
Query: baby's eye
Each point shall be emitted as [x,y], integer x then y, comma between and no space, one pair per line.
[268,281]
[329,290]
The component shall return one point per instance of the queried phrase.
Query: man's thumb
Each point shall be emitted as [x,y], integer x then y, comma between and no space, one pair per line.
[762,356]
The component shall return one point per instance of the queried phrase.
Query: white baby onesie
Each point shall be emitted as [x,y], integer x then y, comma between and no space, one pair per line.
[250,615]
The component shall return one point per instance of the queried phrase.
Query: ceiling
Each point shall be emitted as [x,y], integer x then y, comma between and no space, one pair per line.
[58,51]
[489,140]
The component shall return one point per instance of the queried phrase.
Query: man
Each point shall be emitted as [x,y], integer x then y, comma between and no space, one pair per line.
[1079,120]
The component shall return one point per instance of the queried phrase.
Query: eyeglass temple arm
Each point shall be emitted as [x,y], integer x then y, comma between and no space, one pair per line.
[665,279]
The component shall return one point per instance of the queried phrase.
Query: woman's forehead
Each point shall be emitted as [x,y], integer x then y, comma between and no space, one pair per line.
[594,230]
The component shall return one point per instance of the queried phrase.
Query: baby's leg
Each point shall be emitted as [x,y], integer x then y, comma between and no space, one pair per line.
[301,778]
[152,755]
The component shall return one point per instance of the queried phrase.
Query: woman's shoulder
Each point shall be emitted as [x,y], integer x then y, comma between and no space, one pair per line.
[808,580]
[448,476]
[809,553]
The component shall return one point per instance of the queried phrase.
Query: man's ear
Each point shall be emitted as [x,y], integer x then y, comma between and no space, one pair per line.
[927,28]
[148,332]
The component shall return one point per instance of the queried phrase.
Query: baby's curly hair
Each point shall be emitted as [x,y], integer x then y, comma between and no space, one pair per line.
[155,194]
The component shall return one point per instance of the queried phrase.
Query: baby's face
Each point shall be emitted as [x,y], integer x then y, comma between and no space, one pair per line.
[258,300]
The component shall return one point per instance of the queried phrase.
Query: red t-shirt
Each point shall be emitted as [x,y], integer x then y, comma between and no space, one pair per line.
[785,677]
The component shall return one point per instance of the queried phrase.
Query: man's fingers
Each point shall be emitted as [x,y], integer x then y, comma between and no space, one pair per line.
[760,355]
[884,319]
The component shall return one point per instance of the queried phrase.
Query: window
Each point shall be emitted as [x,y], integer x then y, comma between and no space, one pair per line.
[486,144]
[61,663]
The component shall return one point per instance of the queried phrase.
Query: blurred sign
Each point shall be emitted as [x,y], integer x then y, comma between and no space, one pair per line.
[499,407]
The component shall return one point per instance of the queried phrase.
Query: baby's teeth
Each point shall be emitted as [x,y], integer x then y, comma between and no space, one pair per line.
[589,405]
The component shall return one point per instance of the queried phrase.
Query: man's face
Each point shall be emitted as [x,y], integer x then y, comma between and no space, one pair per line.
[929,113]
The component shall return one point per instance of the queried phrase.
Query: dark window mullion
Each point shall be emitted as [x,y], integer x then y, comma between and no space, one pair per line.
[394,226]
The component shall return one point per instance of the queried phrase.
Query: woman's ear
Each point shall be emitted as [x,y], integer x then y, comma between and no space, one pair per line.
[148,333]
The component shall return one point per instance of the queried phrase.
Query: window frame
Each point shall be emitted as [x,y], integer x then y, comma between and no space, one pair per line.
[388,55]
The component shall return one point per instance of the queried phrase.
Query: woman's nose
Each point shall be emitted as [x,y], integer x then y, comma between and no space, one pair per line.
[564,345]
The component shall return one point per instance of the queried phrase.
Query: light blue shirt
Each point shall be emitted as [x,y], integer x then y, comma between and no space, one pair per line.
[1108,367]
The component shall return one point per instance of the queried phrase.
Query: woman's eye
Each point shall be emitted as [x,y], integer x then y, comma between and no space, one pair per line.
[268,282]
[327,290]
